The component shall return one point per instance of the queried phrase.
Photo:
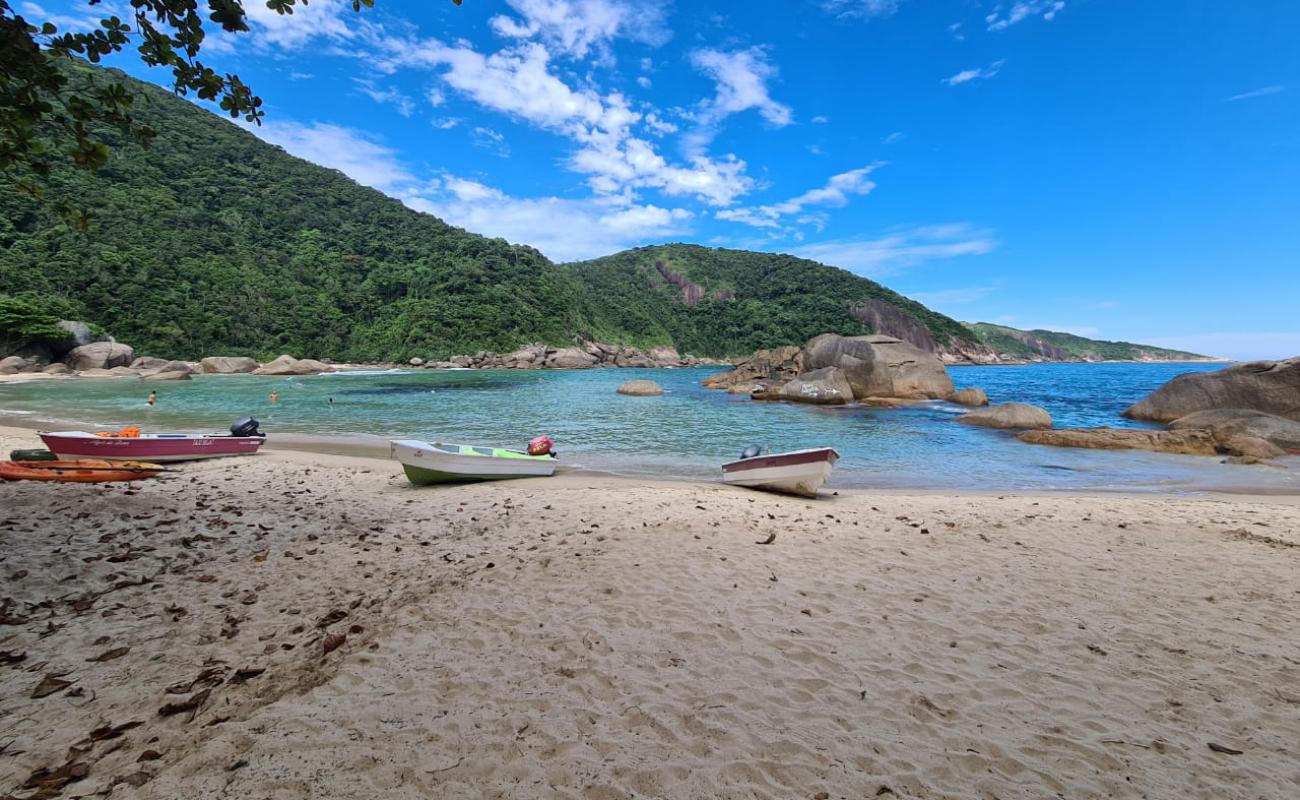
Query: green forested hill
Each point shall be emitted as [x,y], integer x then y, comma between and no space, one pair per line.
[212,240]
[1057,346]
[713,301]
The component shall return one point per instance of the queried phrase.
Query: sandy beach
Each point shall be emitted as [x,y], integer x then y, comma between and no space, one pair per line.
[299,625]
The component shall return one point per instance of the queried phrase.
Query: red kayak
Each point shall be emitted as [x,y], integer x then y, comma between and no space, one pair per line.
[80,471]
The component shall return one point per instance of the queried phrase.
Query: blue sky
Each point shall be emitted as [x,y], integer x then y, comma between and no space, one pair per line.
[1116,169]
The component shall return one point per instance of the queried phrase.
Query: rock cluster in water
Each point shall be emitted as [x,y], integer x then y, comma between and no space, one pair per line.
[584,355]
[1250,412]
[834,370]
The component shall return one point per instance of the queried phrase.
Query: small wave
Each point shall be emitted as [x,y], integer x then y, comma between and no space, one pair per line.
[13,412]
[362,372]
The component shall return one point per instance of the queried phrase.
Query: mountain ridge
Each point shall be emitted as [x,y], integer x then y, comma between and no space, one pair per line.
[213,241]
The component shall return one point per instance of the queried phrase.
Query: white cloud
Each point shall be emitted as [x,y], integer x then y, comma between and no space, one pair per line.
[79,19]
[387,96]
[490,140]
[349,151]
[1238,346]
[563,229]
[447,123]
[819,120]
[900,249]
[893,138]
[1261,92]
[325,19]
[643,82]
[952,297]
[955,30]
[865,9]
[981,73]
[741,78]
[835,193]
[1022,10]
[518,81]
[577,27]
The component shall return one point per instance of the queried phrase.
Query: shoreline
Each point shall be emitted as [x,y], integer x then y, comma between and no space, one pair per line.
[328,631]
[372,451]
[28,377]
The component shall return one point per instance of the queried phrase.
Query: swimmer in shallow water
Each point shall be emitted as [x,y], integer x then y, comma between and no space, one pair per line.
[153,398]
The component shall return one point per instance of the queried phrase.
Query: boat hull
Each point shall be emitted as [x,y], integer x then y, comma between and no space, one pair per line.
[802,472]
[72,445]
[425,465]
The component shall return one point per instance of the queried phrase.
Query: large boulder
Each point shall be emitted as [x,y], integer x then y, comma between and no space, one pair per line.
[1008,415]
[1269,386]
[416,362]
[99,355]
[12,365]
[571,358]
[288,365]
[167,375]
[969,397]
[57,368]
[664,356]
[764,368]
[1251,447]
[1194,443]
[640,389]
[166,366]
[1226,423]
[880,366]
[149,362]
[825,386]
[228,365]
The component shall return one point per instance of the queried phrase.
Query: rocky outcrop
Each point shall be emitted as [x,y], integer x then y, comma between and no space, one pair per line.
[585,354]
[1251,448]
[763,369]
[969,397]
[288,365]
[890,320]
[880,366]
[416,362]
[571,358]
[12,365]
[640,389]
[57,368]
[1269,386]
[1008,415]
[167,375]
[99,355]
[692,294]
[1194,442]
[825,386]
[149,362]
[112,372]
[1227,423]
[228,365]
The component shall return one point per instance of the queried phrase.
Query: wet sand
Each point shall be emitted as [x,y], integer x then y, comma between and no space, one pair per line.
[308,625]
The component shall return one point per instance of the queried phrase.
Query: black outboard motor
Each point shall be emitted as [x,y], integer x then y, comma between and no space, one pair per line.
[246,427]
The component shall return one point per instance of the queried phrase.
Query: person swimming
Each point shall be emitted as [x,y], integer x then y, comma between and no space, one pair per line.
[153,398]
[275,397]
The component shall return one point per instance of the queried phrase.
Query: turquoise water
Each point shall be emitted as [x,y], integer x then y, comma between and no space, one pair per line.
[686,433]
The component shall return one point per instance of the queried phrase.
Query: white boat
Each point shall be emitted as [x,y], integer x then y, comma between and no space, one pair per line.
[797,472]
[442,462]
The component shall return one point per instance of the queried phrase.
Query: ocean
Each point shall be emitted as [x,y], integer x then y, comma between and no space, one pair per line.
[689,431]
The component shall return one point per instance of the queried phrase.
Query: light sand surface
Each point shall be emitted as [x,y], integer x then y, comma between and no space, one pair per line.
[589,637]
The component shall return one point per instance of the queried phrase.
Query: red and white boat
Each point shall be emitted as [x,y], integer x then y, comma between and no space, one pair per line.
[131,445]
[798,472]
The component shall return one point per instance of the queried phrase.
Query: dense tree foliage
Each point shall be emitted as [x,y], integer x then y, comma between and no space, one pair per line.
[1011,341]
[29,320]
[45,114]
[212,242]
[748,300]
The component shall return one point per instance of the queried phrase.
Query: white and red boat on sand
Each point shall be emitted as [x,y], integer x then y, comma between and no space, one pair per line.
[131,445]
[797,472]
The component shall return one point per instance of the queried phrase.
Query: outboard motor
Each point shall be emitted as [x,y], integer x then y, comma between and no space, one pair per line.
[752,451]
[246,427]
